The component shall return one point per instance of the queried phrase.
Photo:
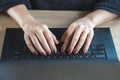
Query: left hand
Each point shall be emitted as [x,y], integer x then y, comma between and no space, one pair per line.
[78,34]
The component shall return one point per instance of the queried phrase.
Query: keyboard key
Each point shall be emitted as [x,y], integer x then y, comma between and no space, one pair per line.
[100,46]
[17,47]
[24,48]
[48,57]
[85,56]
[16,53]
[93,47]
[100,56]
[73,56]
[88,52]
[98,51]
[15,57]
[79,57]
[54,57]
[92,56]
[67,57]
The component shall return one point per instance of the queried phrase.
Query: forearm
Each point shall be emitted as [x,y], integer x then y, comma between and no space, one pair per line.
[20,14]
[37,36]
[100,16]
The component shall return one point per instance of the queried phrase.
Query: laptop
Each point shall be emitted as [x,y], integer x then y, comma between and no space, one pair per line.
[102,48]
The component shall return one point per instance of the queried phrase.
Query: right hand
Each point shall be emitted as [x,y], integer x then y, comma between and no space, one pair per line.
[39,38]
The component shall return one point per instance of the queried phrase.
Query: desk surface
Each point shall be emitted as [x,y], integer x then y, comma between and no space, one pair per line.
[60,19]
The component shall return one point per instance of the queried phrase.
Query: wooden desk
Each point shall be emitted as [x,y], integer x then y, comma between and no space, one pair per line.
[60,19]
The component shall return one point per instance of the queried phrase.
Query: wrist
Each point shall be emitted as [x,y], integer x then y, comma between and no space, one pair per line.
[28,23]
[20,14]
[26,20]
[88,21]
[100,16]
[91,22]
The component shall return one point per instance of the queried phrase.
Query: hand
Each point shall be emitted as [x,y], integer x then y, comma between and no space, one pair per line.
[39,38]
[80,32]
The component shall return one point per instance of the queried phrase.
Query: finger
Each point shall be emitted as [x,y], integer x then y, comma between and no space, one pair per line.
[37,44]
[50,41]
[68,32]
[54,38]
[88,41]
[66,37]
[29,44]
[75,39]
[43,42]
[81,41]
[63,37]
[65,44]
[64,40]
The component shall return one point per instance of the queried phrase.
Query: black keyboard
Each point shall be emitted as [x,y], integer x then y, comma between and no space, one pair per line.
[94,52]
[101,48]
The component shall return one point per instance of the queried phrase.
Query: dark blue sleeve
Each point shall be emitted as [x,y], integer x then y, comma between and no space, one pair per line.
[6,4]
[109,5]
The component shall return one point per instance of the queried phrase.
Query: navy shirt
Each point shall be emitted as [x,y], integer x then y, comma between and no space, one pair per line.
[109,5]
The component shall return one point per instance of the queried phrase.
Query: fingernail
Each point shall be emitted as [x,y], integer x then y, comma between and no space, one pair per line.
[57,42]
[63,49]
[75,51]
[84,51]
[34,52]
[55,51]
[44,53]
[49,52]
[69,51]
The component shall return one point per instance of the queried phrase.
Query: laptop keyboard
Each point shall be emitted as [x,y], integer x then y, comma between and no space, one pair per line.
[94,52]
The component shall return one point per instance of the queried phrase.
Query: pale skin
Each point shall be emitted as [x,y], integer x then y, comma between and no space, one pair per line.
[38,36]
